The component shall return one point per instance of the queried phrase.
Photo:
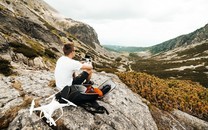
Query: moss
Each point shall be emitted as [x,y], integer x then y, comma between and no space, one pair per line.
[25,2]
[118,59]
[54,49]
[2,7]
[25,50]
[50,54]
[8,2]
[5,67]
[107,70]
[35,45]
[37,10]
[105,67]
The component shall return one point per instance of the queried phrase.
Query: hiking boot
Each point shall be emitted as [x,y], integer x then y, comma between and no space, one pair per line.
[88,83]
[106,89]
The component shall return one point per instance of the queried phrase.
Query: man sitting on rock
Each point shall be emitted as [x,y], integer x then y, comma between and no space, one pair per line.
[69,84]
[66,67]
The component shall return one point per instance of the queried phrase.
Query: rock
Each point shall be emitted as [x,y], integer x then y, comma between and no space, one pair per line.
[17,85]
[84,33]
[127,111]
[191,121]
[24,121]
[38,62]
[9,102]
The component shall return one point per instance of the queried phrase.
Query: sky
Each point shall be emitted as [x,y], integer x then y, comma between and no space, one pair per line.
[140,23]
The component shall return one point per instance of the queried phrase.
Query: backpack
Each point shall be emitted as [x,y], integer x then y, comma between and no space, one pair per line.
[75,94]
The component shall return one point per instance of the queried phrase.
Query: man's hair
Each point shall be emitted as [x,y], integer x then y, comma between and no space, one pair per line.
[68,48]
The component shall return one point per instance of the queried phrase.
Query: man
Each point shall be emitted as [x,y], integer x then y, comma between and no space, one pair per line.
[66,67]
[66,81]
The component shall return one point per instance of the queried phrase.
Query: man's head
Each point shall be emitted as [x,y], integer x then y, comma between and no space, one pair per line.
[68,49]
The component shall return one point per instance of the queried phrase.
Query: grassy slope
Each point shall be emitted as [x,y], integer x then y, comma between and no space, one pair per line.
[189,57]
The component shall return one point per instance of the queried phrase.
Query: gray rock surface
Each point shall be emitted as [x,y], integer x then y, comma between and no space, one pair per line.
[190,121]
[127,111]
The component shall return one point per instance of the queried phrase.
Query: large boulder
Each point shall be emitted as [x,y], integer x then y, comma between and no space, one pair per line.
[127,111]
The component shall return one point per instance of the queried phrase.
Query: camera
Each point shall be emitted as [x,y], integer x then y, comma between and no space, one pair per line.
[87,58]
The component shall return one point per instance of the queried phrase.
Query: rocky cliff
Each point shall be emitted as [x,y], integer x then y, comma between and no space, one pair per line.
[41,13]
[84,33]
[32,35]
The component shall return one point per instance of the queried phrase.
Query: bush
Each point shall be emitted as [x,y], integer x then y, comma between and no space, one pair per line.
[184,95]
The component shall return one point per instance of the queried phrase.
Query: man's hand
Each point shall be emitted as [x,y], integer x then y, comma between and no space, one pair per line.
[87,66]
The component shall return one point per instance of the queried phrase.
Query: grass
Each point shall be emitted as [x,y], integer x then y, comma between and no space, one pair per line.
[199,49]
[25,50]
[158,68]
[50,54]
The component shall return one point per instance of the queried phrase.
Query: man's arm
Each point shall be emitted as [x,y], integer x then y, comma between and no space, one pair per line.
[86,66]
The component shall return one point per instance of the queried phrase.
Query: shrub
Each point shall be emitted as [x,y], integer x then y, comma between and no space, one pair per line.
[184,95]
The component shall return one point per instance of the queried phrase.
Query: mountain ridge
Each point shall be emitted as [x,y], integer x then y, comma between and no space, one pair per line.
[194,37]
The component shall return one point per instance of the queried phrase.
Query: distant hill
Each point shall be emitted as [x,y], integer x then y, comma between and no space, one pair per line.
[125,49]
[194,37]
[184,57]
[181,41]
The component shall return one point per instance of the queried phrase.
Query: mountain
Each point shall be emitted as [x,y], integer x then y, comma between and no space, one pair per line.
[184,57]
[198,36]
[32,34]
[125,49]
[31,38]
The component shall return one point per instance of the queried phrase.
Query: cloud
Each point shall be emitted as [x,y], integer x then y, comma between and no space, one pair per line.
[136,22]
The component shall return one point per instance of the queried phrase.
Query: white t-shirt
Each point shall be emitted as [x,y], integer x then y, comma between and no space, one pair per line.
[65,67]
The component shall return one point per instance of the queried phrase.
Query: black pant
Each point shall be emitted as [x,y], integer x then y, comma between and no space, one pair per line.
[80,78]
[73,94]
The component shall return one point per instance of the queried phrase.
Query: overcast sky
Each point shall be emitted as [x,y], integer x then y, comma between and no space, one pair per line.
[136,22]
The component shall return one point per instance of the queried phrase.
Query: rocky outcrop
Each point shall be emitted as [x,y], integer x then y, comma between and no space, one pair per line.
[127,111]
[42,14]
[84,33]
[177,120]
[190,121]
[32,34]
